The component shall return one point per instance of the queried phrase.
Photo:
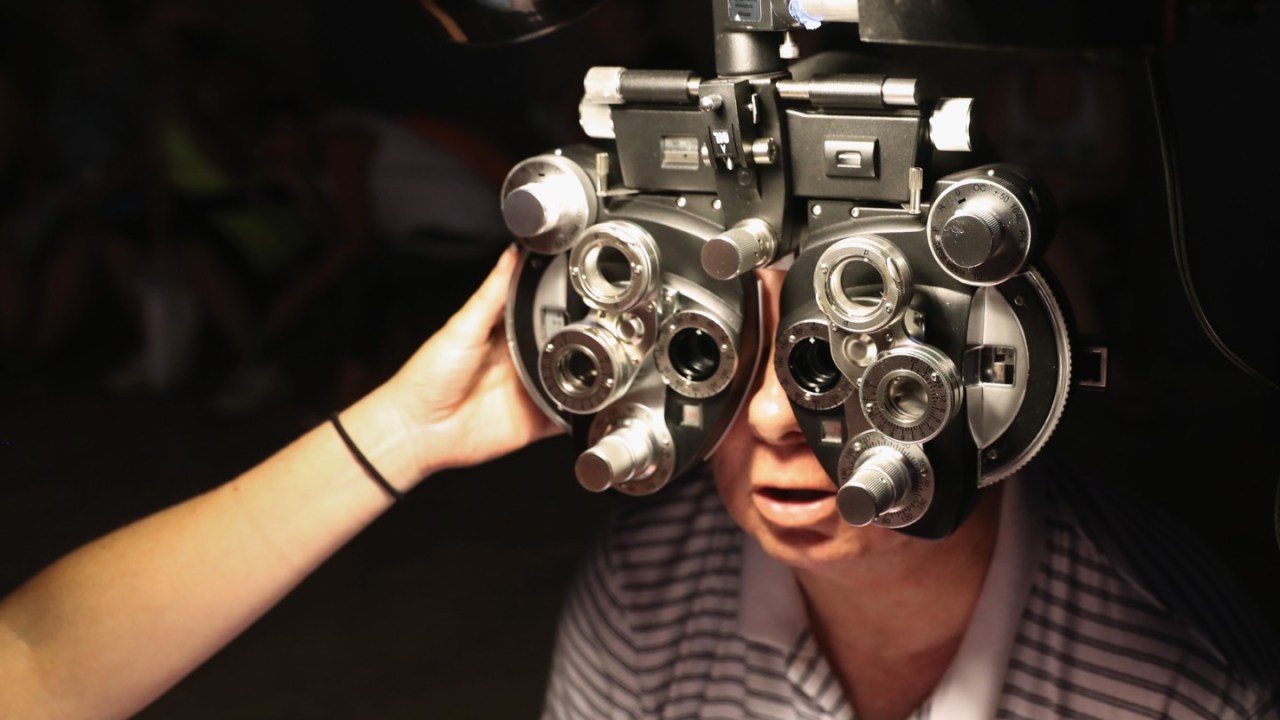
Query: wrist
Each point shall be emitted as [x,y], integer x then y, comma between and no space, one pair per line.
[335,419]
[386,438]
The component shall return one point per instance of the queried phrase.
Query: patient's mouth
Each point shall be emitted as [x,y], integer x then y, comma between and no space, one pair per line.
[795,508]
[794,496]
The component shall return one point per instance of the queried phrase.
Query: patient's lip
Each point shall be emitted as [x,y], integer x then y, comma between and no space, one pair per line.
[795,508]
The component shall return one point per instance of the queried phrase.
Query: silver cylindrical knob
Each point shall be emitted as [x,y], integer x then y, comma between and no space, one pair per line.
[880,480]
[603,85]
[740,249]
[764,151]
[949,125]
[970,236]
[546,201]
[622,455]
[532,209]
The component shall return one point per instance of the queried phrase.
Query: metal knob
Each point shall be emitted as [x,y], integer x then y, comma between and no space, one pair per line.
[969,237]
[739,250]
[984,224]
[880,480]
[547,200]
[531,209]
[950,124]
[622,455]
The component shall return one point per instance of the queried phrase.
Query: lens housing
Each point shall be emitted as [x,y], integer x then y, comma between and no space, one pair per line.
[614,266]
[863,284]
[812,366]
[584,367]
[806,369]
[910,393]
[696,354]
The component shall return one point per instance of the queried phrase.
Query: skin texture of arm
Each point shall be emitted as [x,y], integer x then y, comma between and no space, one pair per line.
[110,627]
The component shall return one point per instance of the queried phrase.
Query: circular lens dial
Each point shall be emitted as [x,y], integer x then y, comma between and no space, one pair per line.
[584,367]
[696,354]
[614,266]
[806,369]
[910,393]
[863,283]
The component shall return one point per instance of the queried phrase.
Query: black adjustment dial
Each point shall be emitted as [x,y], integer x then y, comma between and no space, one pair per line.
[984,227]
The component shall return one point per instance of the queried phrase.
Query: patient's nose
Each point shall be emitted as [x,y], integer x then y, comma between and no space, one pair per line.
[768,410]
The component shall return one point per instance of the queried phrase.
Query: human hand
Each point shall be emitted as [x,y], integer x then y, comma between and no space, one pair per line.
[460,395]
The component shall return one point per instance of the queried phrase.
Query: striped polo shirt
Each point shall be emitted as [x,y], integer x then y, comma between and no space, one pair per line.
[1091,609]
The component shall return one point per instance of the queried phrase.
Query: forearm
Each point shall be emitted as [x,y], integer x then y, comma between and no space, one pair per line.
[112,626]
[107,629]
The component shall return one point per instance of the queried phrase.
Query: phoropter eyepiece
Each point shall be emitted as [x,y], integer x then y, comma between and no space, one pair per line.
[863,283]
[696,354]
[614,266]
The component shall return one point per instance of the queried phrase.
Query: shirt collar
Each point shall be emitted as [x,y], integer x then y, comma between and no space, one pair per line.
[970,689]
[772,611]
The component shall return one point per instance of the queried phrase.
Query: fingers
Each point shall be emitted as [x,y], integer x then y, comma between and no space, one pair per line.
[484,308]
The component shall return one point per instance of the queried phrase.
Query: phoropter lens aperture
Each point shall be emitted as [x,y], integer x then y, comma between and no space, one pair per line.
[694,354]
[577,372]
[813,367]
[863,283]
[861,287]
[906,399]
[614,266]
[584,367]
[910,393]
[807,368]
[607,267]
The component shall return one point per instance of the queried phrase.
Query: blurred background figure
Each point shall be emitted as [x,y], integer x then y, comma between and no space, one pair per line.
[228,216]
[73,132]
[274,221]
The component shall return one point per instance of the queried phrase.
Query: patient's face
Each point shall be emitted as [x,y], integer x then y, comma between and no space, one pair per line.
[772,483]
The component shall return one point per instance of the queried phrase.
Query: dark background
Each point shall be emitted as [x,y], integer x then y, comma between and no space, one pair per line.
[445,607]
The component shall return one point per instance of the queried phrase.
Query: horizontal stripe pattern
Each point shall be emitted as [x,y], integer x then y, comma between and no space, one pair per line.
[650,629]
[1131,617]
[651,626]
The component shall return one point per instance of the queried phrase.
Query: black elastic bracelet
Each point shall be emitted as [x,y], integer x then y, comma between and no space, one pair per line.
[364,461]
